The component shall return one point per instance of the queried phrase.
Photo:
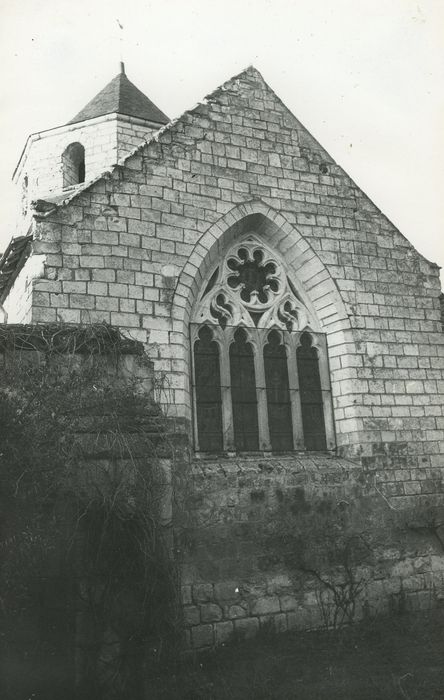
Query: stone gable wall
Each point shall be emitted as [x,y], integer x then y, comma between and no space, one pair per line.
[131,132]
[134,248]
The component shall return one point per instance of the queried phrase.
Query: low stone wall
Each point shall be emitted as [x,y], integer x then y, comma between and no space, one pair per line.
[82,461]
[261,536]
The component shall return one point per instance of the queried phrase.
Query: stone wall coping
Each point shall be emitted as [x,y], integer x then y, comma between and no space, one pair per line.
[66,338]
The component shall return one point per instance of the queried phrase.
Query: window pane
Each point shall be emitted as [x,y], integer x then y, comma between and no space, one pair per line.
[208,393]
[278,394]
[311,395]
[243,394]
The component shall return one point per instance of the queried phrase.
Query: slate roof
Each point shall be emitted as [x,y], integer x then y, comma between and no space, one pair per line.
[123,97]
[11,262]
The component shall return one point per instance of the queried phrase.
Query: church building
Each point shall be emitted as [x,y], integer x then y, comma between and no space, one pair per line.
[295,333]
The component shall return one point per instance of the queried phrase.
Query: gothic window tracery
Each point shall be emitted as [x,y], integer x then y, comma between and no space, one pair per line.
[266,385]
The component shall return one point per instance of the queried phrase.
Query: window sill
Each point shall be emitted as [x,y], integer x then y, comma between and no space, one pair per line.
[212,456]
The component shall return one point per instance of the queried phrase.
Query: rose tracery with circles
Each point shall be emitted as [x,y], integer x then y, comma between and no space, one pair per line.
[251,288]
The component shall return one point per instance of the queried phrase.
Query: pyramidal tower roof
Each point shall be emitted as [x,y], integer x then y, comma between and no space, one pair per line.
[123,97]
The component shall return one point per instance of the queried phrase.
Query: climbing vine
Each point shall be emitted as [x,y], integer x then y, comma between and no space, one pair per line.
[85,488]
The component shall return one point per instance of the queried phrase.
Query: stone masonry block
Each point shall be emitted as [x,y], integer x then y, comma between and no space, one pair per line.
[99,288]
[202,592]
[228,590]
[202,636]
[191,615]
[69,315]
[125,319]
[265,606]
[288,602]
[93,261]
[236,611]
[105,237]
[437,562]
[81,301]
[210,612]
[223,632]
[101,275]
[107,304]
[74,287]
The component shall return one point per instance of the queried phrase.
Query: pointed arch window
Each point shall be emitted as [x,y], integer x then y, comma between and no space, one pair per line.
[260,367]
[208,391]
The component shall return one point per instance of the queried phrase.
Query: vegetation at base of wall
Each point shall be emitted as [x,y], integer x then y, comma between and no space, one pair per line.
[396,658]
[326,542]
[88,585]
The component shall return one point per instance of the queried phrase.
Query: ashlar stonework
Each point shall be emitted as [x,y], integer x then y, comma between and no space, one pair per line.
[138,244]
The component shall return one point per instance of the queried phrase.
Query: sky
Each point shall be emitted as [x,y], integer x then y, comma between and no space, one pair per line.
[365,77]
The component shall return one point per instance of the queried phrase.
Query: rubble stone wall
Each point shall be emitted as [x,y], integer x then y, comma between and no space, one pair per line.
[237,581]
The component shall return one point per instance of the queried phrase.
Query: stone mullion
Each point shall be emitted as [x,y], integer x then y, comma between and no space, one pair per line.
[227,404]
[261,393]
[295,396]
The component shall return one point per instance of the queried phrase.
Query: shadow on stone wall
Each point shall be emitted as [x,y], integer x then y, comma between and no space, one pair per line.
[88,580]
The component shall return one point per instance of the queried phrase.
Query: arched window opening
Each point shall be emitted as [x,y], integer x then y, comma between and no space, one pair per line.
[311,395]
[259,381]
[278,394]
[73,165]
[243,394]
[208,392]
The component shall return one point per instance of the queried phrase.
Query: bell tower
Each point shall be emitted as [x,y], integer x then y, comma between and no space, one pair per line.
[56,162]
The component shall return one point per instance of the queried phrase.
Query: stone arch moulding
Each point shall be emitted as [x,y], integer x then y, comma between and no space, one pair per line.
[307,270]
